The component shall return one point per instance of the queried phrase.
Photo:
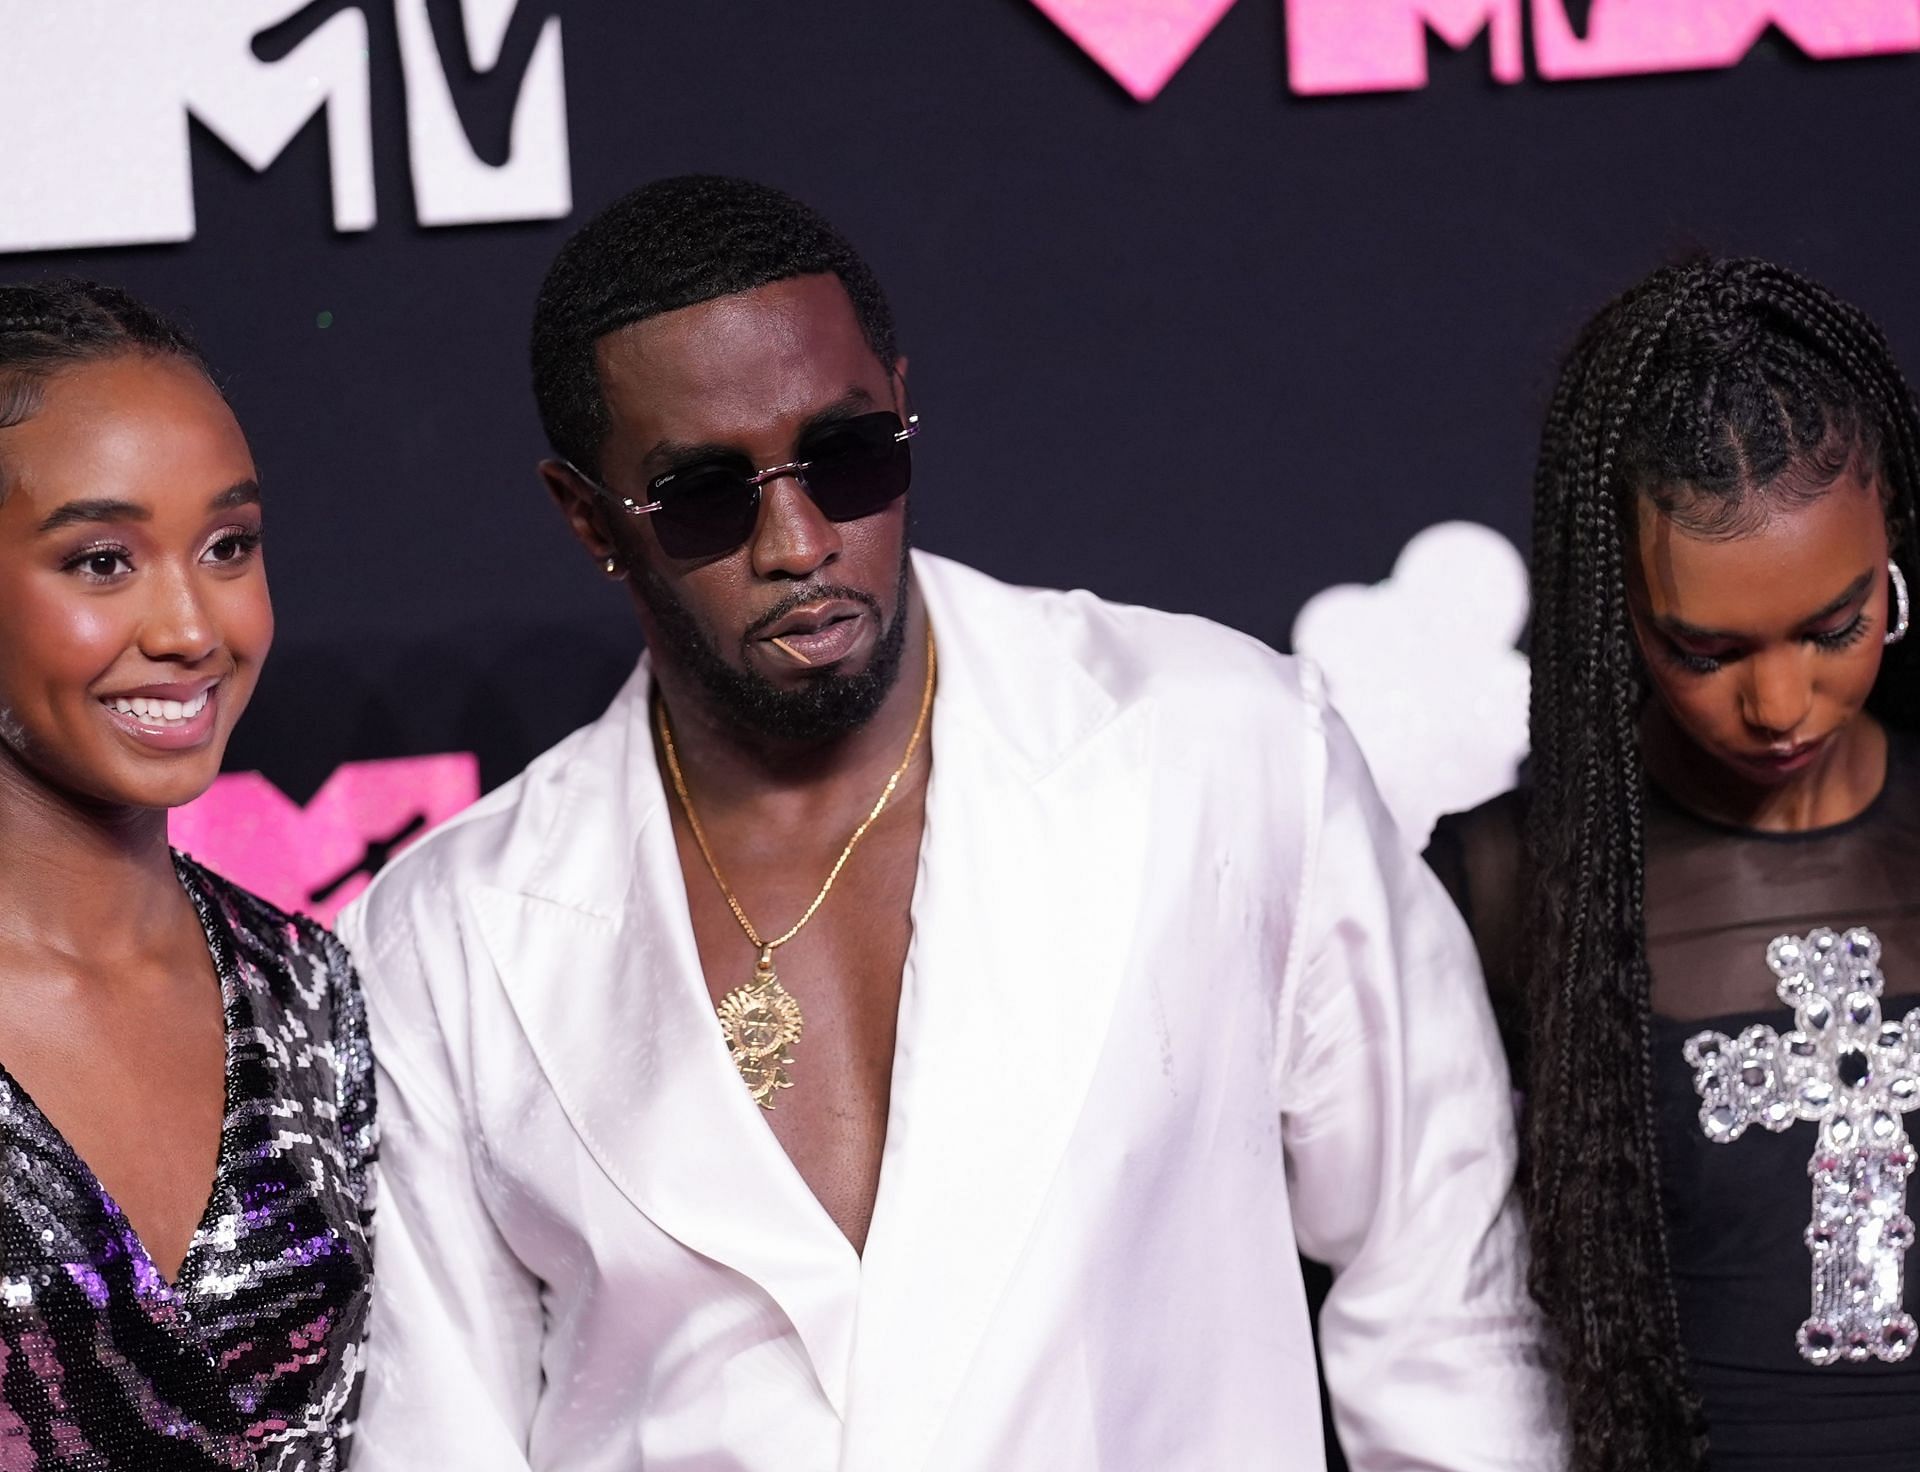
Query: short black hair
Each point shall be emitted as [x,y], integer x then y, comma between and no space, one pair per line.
[671,244]
[51,325]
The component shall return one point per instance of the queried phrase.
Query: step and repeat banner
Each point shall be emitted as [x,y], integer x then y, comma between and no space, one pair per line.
[1247,309]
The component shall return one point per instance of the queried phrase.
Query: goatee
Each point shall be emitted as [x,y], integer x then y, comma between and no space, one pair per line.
[823,707]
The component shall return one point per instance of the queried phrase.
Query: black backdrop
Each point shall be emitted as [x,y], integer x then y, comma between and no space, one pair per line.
[1213,353]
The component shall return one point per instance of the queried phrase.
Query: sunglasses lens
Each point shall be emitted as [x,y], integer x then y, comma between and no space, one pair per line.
[704,511]
[853,469]
[858,467]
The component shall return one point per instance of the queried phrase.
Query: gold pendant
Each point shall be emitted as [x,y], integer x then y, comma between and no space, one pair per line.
[760,1022]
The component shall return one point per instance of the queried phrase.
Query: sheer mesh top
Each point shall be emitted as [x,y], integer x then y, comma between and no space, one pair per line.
[1738,1212]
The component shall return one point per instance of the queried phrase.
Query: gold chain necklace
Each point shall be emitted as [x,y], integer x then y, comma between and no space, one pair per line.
[761,1019]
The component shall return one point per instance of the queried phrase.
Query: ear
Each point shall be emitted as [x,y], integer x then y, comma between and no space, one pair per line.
[583,508]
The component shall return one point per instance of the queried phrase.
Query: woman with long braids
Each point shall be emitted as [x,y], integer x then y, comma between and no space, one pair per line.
[1724,526]
[186,1108]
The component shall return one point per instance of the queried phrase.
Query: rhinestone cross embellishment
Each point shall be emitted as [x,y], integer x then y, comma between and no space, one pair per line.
[1853,1074]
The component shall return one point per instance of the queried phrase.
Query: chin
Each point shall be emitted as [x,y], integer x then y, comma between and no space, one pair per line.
[176,786]
[150,786]
[1762,777]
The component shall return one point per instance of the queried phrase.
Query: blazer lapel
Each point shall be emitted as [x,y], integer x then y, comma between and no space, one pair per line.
[611,998]
[1031,868]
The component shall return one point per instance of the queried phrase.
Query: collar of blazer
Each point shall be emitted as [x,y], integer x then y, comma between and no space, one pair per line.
[1030,880]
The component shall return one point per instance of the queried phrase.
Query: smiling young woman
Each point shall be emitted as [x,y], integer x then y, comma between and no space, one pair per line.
[186,1115]
[1723,754]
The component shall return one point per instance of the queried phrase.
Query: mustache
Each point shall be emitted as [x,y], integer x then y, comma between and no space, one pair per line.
[813,593]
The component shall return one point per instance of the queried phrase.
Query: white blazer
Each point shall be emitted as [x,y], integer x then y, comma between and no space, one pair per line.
[1180,1001]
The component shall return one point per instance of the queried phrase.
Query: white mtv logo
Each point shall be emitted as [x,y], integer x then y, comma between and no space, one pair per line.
[95,96]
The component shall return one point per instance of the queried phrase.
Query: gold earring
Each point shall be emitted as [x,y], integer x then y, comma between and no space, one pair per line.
[611,567]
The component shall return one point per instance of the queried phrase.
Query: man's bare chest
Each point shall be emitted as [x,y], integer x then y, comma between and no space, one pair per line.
[826,1088]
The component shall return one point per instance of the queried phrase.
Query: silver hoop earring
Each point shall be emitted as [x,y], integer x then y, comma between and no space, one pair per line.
[1898,630]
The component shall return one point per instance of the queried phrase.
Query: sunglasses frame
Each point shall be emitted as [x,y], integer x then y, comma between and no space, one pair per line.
[795,468]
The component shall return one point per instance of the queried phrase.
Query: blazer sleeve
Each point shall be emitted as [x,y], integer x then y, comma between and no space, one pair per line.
[453,1355]
[1399,1130]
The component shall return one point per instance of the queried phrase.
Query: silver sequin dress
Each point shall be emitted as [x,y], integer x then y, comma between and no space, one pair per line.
[251,1359]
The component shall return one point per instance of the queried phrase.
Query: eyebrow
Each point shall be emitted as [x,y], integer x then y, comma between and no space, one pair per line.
[1680,628]
[674,453]
[76,513]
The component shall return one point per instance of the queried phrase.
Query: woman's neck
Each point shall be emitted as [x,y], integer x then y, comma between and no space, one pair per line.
[80,881]
[1839,785]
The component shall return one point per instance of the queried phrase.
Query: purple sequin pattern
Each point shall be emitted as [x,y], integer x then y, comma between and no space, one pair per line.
[251,1361]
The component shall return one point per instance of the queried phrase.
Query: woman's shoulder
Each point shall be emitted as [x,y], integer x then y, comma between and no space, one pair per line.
[1478,855]
[1501,819]
[302,986]
[272,940]
[1475,850]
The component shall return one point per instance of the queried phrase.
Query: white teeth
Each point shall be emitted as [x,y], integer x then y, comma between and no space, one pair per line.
[160,712]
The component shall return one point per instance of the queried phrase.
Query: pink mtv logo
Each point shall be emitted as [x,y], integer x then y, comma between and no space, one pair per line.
[314,859]
[1381,45]
[1629,36]
[1141,43]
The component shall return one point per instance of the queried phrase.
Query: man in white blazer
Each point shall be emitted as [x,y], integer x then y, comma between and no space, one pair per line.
[1114,987]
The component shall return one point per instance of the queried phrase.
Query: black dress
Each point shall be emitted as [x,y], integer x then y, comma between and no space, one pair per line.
[251,1359]
[1741,1208]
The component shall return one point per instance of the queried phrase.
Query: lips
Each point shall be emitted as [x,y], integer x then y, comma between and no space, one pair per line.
[1782,761]
[165,717]
[816,634]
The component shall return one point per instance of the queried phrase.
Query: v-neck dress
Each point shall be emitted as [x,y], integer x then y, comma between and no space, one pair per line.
[251,1359]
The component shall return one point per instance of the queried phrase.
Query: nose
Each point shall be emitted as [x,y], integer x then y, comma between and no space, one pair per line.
[1778,695]
[178,627]
[791,539]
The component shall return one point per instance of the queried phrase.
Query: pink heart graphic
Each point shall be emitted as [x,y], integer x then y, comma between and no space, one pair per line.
[314,859]
[1141,43]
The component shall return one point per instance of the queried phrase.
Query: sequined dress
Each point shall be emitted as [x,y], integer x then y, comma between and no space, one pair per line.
[1738,1212]
[251,1359]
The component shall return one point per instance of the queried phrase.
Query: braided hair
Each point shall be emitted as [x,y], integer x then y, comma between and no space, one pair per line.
[1719,389]
[48,326]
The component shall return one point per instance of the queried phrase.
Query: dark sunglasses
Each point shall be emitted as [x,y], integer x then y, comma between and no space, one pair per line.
[851,467]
